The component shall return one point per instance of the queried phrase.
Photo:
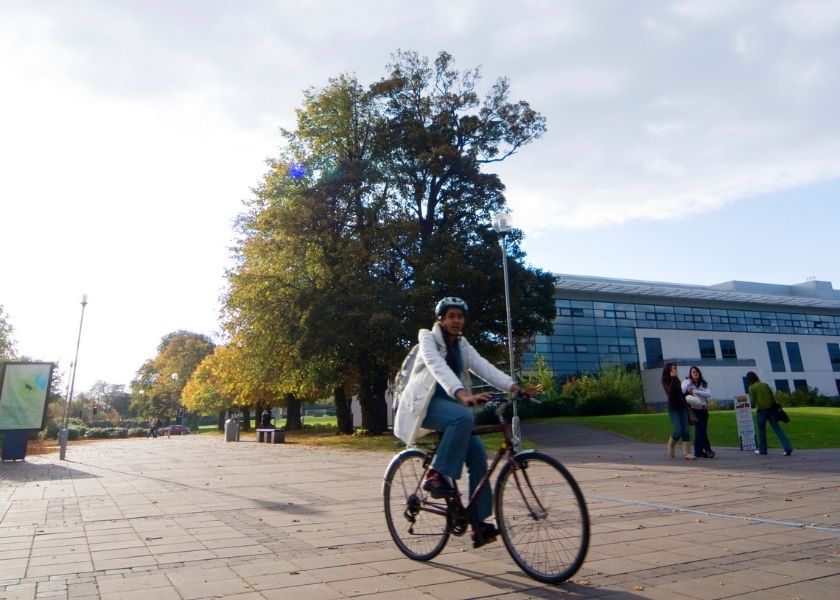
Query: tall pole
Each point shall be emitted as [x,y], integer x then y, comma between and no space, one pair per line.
[62,436]
[502,223]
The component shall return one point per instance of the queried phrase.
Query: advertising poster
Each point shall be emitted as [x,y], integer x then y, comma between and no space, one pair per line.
[23,395]
[744,419]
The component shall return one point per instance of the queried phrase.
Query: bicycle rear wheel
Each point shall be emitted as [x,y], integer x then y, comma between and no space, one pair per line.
[417,522]
[542,517]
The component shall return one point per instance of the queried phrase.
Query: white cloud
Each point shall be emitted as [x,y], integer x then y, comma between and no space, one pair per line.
[131,130]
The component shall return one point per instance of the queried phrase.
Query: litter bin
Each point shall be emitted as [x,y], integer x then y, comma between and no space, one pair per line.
[14,445]
[231,430]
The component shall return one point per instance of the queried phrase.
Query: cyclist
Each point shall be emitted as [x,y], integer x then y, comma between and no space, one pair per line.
[437,398]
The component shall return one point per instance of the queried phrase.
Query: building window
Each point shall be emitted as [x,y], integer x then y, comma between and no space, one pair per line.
[782,385]
[800,385]
[615,314]
[571,312]
[576,348]
[653,351]
[777,361]
[794,357]
[707,348]
[837,383]
[727,349]
[834,356]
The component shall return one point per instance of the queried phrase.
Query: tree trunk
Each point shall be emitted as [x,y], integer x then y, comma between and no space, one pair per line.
[221,423]
[343,414]
[372,401]
[246,419]
[293,422]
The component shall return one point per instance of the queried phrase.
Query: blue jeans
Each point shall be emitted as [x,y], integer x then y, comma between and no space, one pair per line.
[701,435]
[762,416]
[679,422]
[457,446]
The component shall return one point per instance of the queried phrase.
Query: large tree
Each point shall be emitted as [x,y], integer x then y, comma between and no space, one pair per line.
[157,385]
[338,268]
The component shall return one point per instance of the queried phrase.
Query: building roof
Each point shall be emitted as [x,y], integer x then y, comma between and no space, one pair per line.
[810,294]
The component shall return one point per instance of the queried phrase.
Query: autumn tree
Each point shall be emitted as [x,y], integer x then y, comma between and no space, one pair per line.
[157,385]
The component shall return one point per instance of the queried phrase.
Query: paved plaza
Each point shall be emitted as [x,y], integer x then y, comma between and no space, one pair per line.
[195,517]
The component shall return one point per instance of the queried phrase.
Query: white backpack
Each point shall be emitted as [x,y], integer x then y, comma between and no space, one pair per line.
[404,374]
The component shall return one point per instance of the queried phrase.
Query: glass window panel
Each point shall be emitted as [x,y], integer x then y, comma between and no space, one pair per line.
[800,385]
[782,385]
[727,349]
[707,348]
[777,361]
[794,357]
[834,357]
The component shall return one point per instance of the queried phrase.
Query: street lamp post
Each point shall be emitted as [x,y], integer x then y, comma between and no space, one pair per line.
[62,435]
[503,224]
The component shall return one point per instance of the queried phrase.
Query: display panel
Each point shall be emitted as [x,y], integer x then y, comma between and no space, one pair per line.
[23,395]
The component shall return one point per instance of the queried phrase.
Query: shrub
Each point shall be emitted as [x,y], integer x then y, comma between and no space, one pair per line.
[138,432]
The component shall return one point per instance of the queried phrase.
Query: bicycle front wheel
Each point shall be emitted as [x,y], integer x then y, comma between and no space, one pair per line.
[542,517]
[417,522]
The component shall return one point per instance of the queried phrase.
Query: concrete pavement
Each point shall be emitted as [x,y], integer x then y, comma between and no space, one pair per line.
[196,517]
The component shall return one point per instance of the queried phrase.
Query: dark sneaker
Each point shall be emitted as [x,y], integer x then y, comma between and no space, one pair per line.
[437,486]
[788,452]
[485,534]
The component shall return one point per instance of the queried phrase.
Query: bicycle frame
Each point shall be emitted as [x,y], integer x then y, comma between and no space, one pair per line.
[506,451]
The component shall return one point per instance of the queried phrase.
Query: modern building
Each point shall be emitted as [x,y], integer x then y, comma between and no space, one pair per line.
[788,334]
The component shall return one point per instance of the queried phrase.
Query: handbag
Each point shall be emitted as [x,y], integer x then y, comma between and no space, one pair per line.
[692,416]
[781,415]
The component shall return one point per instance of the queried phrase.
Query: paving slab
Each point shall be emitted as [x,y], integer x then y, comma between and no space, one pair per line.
[195,517]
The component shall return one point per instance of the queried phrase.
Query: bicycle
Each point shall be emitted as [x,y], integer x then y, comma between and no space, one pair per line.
[540,510]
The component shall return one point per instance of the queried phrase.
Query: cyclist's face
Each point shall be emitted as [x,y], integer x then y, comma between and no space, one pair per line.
[453,321]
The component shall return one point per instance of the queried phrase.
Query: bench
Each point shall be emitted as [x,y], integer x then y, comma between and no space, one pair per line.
[271,436]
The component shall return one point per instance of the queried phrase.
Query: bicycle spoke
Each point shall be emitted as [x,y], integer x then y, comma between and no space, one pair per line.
[542,517]
[417,523]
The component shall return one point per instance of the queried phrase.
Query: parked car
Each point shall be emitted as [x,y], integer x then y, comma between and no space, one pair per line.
[174,430]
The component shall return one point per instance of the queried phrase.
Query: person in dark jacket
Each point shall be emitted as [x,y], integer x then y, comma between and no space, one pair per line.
[677,411]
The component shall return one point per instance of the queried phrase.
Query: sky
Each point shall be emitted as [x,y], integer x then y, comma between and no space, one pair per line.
[688,141]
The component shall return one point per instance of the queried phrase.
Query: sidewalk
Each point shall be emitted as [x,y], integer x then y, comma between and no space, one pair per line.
[195,517]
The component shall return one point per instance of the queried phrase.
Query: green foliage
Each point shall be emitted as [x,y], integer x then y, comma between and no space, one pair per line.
[107,433]
[809,397]
[615,390]
[7,342]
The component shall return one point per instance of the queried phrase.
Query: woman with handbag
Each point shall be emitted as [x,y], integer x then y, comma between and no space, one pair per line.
[698,395]
[677,411]
[761,397]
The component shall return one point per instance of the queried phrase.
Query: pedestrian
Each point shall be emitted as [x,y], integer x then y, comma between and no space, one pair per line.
[437,397]
[762,398]
[677,411]
[153,427]
[265,420]
[698,395]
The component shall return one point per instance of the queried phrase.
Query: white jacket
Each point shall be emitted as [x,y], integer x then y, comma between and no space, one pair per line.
[702,394]
[430,368]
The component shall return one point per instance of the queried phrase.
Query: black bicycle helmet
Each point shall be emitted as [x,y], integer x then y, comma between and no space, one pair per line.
[449,302]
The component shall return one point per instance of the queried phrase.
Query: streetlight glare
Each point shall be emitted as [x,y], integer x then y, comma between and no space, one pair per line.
[502,222]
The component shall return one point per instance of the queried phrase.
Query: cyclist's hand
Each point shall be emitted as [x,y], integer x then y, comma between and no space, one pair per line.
[528,390]
[478,399]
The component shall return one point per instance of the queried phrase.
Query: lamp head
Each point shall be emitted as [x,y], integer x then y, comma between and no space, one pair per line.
[502,222]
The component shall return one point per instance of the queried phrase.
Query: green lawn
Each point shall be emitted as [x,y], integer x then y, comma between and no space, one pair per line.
[809,427]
